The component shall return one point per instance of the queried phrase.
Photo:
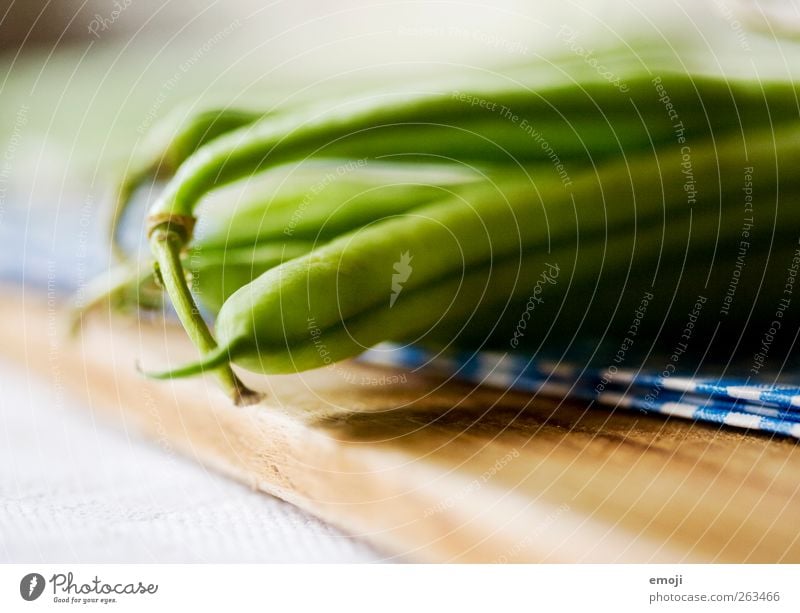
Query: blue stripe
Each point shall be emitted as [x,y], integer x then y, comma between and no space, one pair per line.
[766,408]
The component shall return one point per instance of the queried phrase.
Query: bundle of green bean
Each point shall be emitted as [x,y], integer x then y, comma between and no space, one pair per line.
[553,168]
[277,220]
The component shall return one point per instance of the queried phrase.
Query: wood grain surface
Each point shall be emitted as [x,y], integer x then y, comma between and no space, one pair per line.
[430,470]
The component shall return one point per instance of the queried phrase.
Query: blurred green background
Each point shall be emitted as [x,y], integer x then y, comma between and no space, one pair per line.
[83,80]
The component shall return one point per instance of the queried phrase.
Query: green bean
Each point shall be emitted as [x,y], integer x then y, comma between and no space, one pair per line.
[216,275]
[447,311]
[321,198]
[598,288]
[274,141]
[277,140]
[167,146]
[591,305]
[318,213]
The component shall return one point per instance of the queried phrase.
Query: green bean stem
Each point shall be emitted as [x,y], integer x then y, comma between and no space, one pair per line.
[166,244]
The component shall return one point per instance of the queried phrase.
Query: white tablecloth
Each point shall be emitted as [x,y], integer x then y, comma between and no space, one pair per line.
[78,489]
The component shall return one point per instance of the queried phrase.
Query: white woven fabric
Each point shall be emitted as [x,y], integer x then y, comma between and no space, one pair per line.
[75,489]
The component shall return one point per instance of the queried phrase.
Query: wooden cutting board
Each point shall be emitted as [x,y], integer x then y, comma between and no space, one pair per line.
[435,471]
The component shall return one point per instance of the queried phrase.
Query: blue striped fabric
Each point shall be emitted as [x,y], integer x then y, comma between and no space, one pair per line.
[771,408]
